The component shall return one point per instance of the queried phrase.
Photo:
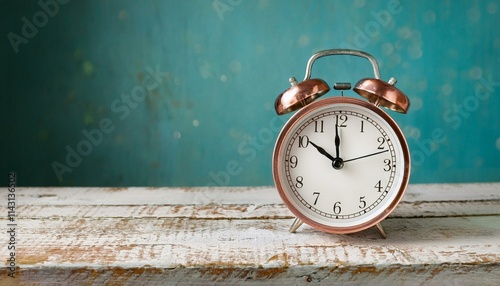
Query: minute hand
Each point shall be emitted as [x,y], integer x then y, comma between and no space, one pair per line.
[373,154]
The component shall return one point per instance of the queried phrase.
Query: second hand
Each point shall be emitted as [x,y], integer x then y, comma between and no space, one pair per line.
[373,154]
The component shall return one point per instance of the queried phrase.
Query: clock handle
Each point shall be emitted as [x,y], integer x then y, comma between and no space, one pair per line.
[348,52]
[375,90]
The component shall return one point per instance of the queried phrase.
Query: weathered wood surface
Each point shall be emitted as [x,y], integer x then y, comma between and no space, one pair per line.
[438,235]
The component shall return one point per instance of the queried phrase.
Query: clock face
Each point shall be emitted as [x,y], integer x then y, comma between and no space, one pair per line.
[341,164]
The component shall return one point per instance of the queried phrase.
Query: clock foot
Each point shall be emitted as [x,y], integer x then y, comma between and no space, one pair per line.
[295,225]
[380,230]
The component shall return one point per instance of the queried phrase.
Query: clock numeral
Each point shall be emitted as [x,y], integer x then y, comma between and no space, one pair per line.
[362,202]
[387,163]
[378,186]
[318,126]
[303,141]
[299,182]
[317,196]
[336,208]
[293,161]
[362,126]
[381,140]
[343,118]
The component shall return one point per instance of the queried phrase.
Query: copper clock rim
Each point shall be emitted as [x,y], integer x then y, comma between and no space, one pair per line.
[278,151]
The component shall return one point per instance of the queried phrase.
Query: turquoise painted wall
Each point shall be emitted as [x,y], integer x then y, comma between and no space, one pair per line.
[181,93]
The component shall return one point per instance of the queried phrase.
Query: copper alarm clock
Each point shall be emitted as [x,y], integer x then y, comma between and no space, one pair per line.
[341,164]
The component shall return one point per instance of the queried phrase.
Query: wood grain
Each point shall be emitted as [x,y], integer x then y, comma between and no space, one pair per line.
[438,235]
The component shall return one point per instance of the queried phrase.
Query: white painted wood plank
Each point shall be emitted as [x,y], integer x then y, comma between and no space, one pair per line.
[228,195]
[453,192]
[424,248]
[239,202]
[439,275]
[239,211]
[171,243]
[148,196]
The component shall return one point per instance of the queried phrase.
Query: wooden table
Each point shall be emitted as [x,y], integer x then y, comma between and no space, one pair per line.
[438,235]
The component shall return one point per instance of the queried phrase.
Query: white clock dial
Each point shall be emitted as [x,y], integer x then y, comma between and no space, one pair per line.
[341,164]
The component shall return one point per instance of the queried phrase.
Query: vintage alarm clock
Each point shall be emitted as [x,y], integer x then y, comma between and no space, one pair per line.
[341,164]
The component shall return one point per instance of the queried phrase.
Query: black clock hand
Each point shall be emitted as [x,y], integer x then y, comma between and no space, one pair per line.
[337,163]
[373,154]
[337,139]
[322,151]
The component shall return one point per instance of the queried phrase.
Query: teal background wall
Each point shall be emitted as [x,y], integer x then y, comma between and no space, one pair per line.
[181,93]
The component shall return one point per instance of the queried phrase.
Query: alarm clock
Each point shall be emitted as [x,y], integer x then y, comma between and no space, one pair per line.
[341,164]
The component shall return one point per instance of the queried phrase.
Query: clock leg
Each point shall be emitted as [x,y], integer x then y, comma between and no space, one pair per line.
[380,230]
[295,225]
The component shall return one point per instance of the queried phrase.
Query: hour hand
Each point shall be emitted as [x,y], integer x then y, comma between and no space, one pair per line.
[322,151]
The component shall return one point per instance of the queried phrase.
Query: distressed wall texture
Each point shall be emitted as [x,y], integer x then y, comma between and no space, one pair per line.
[171,93]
